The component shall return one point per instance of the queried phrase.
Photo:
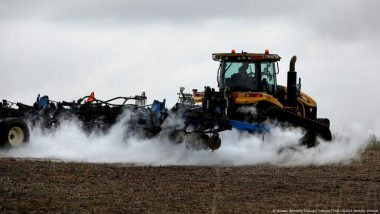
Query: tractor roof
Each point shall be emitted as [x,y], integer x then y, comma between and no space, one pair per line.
[244,56]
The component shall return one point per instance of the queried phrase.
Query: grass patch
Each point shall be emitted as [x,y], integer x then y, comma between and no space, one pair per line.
[35,189]
[373,143]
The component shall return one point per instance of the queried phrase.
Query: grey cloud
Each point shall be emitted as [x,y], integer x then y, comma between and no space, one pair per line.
[339,19]
[140,11]
[344,20]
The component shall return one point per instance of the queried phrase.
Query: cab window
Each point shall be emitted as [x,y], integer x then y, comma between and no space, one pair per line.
[240,75]
[268,78]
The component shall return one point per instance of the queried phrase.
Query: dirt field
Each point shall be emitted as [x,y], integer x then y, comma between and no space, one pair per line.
[28,186]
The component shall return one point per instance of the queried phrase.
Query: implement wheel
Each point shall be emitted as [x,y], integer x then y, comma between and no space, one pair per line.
[13,132]
[214,142]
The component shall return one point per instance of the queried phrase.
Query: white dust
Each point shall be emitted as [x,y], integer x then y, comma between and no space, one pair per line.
[279,147]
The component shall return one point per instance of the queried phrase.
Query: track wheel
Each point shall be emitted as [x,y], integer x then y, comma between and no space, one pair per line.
[197,141]
[325,134]
[14,132]
[177,136]
[310,139]
[214,142]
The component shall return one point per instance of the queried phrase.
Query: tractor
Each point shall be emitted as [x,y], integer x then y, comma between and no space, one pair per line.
[248,97]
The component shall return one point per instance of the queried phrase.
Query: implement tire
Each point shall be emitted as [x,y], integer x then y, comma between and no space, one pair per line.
[13,132]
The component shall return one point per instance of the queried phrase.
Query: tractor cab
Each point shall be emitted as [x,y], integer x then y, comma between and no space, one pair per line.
[249,72]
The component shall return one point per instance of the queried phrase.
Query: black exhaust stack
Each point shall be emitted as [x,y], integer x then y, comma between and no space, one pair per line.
[292,83]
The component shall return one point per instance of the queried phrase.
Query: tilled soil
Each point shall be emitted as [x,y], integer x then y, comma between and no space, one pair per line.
[38,186]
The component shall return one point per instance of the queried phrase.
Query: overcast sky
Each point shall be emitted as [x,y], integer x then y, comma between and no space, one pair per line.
[67,49]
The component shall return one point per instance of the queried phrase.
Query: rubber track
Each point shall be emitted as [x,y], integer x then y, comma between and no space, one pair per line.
[285,116]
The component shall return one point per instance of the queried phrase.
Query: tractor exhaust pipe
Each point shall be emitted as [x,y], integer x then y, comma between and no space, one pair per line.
[292,83]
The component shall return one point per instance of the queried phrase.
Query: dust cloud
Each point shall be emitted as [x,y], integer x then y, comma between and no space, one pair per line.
[279,147]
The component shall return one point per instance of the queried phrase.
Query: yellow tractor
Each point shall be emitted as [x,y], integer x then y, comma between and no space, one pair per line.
[249,95]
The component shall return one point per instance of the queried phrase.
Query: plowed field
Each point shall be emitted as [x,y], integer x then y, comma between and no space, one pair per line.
[41,186]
